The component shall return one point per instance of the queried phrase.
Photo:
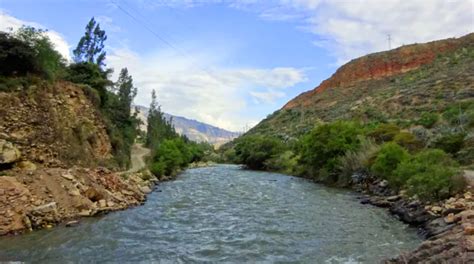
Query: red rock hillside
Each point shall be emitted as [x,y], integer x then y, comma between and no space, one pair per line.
[383,64]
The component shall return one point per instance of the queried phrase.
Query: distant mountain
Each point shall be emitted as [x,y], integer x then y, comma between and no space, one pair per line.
[194,130]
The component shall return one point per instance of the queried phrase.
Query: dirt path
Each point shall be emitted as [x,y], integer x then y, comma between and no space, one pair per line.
[139,152]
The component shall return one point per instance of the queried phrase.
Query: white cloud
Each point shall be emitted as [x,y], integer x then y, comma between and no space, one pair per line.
[107,23]
[217,96]
[350,29]
[8,22]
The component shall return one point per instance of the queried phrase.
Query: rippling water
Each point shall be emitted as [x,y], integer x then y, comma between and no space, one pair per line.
[224,214]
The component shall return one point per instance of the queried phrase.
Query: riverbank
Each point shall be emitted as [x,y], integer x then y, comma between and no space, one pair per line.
[43,198]
[447,226]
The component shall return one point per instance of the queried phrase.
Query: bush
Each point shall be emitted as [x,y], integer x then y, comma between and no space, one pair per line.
[356,160]
[169,155]
[255,150]
[384,132]
[450,143]
[408,141]
[286,162]
[430,175]
[92,75]
[323,146]
[428,120]
[29,50]
[158,168]
[387,160]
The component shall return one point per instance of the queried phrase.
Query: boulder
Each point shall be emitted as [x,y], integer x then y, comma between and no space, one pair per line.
[93,194]
[8,153]
[26,165]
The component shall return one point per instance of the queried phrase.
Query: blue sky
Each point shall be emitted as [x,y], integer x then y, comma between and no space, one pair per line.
[231,63]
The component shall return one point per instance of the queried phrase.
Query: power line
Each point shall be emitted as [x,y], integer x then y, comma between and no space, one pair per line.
[162,39]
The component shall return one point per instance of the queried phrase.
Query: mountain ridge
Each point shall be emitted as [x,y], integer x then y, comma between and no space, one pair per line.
[194,129]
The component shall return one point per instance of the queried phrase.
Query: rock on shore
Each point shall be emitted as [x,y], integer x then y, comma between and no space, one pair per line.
[46,197]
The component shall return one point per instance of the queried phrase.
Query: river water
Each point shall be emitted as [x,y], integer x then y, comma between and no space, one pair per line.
[225,214]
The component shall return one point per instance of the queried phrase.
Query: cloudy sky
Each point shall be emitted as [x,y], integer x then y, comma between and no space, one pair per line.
[231,63]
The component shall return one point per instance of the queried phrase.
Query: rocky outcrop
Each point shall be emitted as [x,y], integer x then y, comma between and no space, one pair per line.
[53,125]
[381,65]
[49,196]
[8,153]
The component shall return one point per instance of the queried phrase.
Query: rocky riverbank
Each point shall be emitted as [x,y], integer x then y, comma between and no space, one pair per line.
[448,226]
[43,198]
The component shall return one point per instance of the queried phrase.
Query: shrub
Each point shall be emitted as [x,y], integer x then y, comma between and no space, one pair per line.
[254,151]
[322,147]
[408,141]
[29,50]
[450,143]
[158,168]
[286,162]
[356,160]
[387,160]
[430,175]
[428,119]
[384,132]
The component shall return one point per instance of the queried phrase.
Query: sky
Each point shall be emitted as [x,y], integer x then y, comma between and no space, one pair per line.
[232,63]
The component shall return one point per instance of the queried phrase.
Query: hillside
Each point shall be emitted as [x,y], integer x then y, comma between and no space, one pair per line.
[194,130]
[396,85]
[52,141]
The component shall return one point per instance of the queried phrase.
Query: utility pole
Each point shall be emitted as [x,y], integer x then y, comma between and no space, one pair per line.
[389,38]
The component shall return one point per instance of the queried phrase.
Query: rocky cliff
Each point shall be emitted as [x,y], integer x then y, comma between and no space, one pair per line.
[395,85]
[54,125]
[382,65]
[53,141]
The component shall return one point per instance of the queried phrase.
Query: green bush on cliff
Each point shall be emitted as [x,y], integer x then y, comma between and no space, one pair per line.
[387,161]
[428,119]
[322,147]
[384,132]
[408,141]
[29,51]
[431,175]
[253,151]
[451,142]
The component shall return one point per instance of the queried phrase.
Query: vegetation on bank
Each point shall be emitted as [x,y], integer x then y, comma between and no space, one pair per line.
[334,152]
[27,57]
[170,151]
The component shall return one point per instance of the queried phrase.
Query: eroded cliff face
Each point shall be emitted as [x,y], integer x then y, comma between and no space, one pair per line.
[53,141]
[54,125]
[382,65]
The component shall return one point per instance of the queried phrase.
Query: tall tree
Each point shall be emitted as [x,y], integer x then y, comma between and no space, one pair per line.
[126,92]
[158,128]
[91,46]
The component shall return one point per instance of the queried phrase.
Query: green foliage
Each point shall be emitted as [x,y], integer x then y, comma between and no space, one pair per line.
[158,127]
[408,141]
[428,119]
[92,75]
[384,132]
[450,143]
[285,162]
[387,160]
[460,114]
[255,150]
[90,48]
[323,146]
[356,160]
[29,50]
[430,174]
[174,154]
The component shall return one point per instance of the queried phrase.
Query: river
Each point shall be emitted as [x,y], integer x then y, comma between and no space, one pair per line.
[225,214]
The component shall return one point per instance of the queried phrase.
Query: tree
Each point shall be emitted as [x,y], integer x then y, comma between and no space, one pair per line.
[126,92]
[91,46]
[159,128]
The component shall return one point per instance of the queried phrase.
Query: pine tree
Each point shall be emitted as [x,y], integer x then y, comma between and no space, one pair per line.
[91,46]
[125,91]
